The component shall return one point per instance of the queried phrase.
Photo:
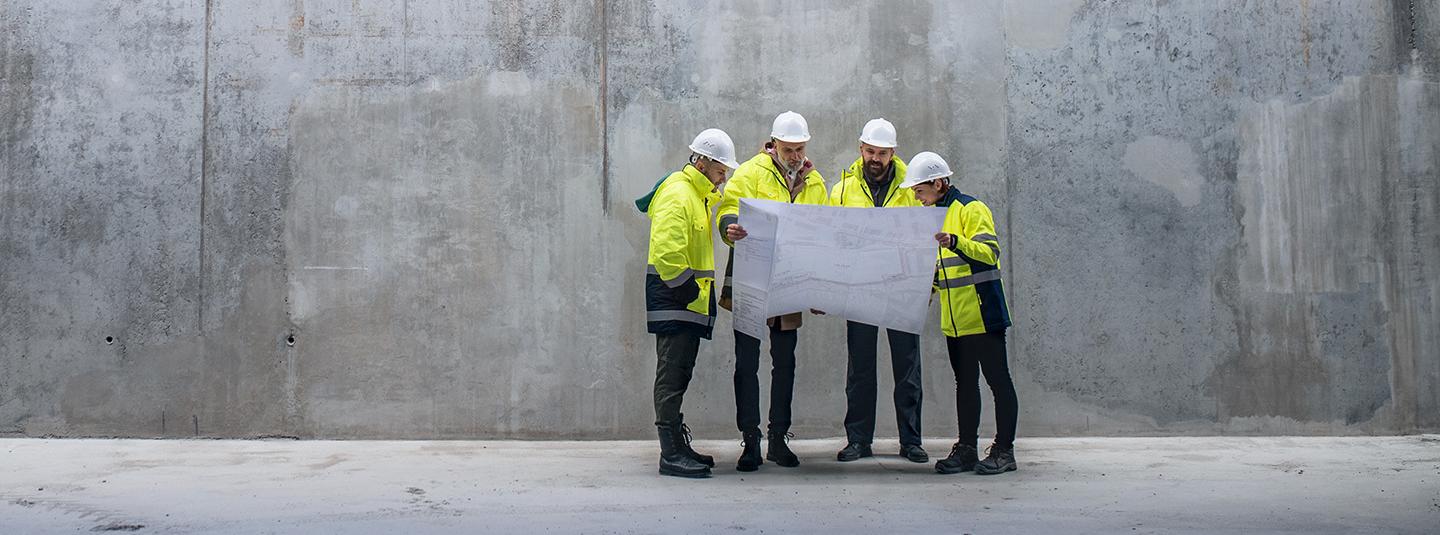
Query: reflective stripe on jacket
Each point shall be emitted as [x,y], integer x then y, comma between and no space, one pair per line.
[972,298]
[681,251]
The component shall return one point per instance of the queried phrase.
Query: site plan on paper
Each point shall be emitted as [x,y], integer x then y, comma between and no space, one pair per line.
[871,265]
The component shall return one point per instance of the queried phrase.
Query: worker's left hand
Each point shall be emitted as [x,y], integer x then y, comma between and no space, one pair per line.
[944,239]
[735,232]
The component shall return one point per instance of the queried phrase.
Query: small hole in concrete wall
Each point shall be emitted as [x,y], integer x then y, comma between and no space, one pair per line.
[109,339]
[290,340]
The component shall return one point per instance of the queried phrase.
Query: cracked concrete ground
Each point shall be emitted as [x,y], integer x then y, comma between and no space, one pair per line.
[1212,485]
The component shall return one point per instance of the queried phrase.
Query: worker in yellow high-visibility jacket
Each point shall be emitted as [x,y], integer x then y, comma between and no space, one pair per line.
[780,173]
[679,303]
[973,316]
[873,181]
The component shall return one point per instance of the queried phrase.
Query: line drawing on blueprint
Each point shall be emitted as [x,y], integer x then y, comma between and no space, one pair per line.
[874,266]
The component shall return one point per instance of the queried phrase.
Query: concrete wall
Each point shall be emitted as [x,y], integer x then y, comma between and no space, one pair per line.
[391,219]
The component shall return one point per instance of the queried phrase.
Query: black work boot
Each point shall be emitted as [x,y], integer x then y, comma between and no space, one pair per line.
[690,452]
[853,451]
[750,452]
[998,460]
[962,459]
[779,452]
[914,453]
[672,461]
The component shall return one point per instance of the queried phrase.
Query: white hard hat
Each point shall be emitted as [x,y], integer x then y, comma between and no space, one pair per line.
[715,144]
[879,133]
[790,127]
[923,168]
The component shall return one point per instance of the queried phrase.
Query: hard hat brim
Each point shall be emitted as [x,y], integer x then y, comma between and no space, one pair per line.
[911,181]
[791,139]
[879,144]
[727,162]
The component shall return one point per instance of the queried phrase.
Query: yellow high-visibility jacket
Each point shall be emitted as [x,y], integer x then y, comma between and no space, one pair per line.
[759,178]
[972,299]
[853,191]
[681,251]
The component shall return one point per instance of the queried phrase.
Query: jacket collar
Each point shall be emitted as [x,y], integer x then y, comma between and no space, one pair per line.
[698,180]
[857,171]
[700,183]
[952,194]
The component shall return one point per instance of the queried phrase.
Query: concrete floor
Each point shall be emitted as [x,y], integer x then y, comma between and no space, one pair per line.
[1302,485]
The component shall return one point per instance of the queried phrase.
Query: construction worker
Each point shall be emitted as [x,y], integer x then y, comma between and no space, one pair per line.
[973,316]
[679,307]
[873,181]
[782,173]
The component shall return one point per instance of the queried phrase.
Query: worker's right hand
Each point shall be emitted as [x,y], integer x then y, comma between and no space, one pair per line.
[945,239]
[735,232]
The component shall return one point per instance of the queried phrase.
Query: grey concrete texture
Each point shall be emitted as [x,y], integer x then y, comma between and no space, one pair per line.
[1063,485]
[382,219]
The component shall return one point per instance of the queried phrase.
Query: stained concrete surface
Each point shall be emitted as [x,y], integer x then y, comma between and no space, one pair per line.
[1070,485]
[388,219]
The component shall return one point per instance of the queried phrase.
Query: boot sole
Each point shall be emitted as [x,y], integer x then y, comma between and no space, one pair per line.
[697,475]
[844,459]
[786,465]
[746,468]
[987,472]
[942,470]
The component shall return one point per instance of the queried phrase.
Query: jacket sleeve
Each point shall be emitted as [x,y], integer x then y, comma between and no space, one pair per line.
[977,240]
[669,237]
[729,211]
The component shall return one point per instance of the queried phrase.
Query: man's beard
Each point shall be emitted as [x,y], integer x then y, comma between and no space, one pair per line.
[874,171]
[791,168]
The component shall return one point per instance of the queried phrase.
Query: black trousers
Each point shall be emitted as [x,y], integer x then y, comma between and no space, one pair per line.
[861,340]
[969,356]
[747,379]
[674,364]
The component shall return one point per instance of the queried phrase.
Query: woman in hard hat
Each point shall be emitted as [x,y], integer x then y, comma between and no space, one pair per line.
[973,316]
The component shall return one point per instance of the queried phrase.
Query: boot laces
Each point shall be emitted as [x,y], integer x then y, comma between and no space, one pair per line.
[994,452]
[685,434]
